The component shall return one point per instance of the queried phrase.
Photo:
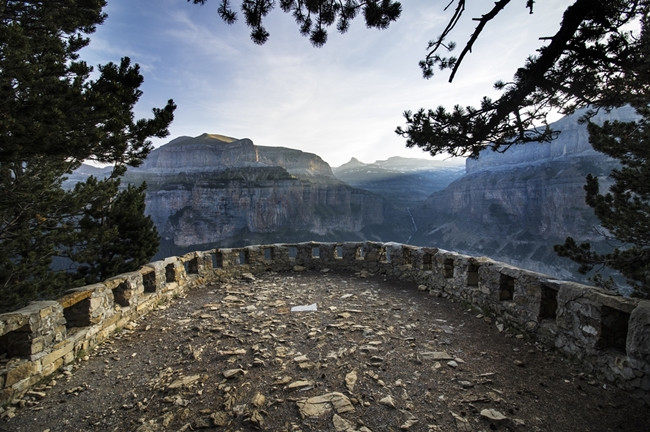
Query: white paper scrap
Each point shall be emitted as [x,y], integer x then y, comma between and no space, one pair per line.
[305,308]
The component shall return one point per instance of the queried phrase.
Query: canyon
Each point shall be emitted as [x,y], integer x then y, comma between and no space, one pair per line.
[218,191]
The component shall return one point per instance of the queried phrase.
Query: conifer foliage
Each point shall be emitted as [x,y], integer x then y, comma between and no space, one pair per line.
[52,118]
[624,210]
[314,17]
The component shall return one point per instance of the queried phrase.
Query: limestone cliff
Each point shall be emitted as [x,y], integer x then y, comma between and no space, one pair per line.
[211,152]
[217,191]
[515,206]
[203,153]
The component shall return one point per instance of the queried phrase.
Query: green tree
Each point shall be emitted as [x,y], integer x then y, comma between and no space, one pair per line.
[52,118]
[114,236]
[313,17]
[624,211]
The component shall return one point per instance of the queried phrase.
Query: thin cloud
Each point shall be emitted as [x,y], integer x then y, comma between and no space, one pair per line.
[342,100]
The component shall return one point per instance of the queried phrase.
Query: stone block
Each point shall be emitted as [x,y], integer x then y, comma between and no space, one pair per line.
[24,385]
[111,320]
[126,288]
[7,395]
[152,277]
[75,296]
[569,300]
[69,357]
[373,252]
[87,305]
[106,332]
[13,321]
[82,345]
[145,306]
[21,371]
[59,350]
[638,338]
[50,368]
[174,270]
[47,310]
[171,286]
[28,330]
[38,345]
[226,258]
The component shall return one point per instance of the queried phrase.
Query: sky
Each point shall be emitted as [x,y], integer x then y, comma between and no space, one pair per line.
[339,101]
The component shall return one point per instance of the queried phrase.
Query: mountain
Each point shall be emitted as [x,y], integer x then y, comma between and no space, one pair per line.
[83,172]
[515,206]
[213,190]
[212,152]
[402,181]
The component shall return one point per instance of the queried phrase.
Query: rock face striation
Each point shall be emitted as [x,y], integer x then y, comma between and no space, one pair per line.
[213,190]
[515,206]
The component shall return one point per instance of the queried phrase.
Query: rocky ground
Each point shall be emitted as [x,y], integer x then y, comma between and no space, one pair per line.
[375,356]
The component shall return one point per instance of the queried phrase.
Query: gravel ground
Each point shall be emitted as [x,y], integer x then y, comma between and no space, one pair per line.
[375,355]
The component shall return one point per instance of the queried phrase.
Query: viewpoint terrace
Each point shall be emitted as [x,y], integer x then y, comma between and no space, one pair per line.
[608,335]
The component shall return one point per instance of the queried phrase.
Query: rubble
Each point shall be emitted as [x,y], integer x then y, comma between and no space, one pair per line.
[377,355]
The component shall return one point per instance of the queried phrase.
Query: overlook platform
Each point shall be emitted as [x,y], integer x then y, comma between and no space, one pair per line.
[376,354]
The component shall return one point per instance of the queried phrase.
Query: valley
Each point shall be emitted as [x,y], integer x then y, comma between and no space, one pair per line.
[217,191]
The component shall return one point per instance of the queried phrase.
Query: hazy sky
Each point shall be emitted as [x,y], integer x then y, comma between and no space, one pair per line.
[342,100]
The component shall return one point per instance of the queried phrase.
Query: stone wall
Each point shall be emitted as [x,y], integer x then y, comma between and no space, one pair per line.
[609,334]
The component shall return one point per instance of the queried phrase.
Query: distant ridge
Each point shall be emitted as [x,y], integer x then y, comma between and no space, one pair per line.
[351,164]
[402,181]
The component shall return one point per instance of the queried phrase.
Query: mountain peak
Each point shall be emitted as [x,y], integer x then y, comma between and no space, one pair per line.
[352,163]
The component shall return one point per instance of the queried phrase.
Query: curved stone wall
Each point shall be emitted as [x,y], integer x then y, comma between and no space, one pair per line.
[609,334]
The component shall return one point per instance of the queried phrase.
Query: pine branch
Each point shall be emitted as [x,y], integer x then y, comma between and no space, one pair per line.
[498,7]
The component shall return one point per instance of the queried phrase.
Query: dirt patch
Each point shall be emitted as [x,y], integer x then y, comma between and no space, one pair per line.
[357,354]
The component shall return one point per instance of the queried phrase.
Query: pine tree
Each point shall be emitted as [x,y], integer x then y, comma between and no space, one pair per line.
[114,235]
[52,118]
[623,211]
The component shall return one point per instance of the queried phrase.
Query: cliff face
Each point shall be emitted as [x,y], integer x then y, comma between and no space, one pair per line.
[517,215]
[295,162]
[515,206]
[207,215]
[573,141]
[214,191]
[211,152]
[205,152]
